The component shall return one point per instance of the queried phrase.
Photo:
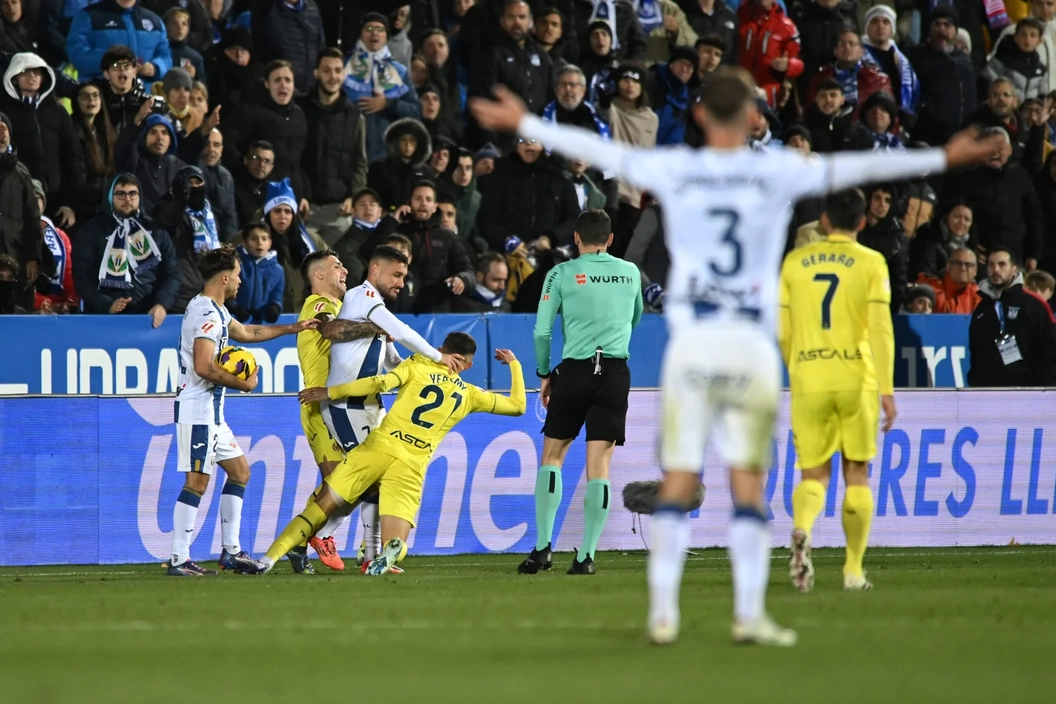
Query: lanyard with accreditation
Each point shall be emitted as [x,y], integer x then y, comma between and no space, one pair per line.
[1006,343]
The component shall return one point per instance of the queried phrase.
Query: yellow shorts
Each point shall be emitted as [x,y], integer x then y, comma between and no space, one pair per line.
[400,484]
[324,447]
[836,421]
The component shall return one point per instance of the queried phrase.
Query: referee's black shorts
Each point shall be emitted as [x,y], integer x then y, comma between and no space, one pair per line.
[578,396]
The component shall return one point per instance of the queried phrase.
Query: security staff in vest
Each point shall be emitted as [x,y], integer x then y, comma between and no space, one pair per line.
[599,298]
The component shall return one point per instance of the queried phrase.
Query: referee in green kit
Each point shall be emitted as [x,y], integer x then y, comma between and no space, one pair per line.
[599,298]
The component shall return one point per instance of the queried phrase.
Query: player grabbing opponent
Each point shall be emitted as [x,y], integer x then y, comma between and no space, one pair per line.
[836,338]
[726,208]
[430,402]
[203,438]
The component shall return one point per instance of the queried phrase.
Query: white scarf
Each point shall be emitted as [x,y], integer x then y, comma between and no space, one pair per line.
[369,71]
[605,10]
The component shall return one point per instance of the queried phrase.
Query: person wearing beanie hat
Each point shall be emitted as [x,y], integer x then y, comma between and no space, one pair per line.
[628,40]
[175,91]
[947,80]
[55,292]
[880,115]
[797,137]
[631,122]
[42,132]
[178,28]
[921,300]
[673,84]
[289,31]
[963,41]
[232,68]
[879,41]
[290,238]
[883,233]
[126,23]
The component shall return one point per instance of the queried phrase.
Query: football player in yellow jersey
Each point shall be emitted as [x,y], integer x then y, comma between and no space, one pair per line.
[326,276]
[430,402]
[837,341]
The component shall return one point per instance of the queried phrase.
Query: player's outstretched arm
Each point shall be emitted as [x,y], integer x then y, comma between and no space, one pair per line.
[360,387]
[402,333]
[262,333]
[206,367]
[338,330]
[516,403]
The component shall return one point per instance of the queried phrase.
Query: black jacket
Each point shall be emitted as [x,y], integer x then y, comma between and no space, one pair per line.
[15,38]
[284,126]
[836,134]
[220,190]
[819,27]
[722,21]
[1004,205]
[929,250]
[526,70]
[124,108]
[230,84]
[1045,187]
[20,234]
[889,239]
[249,195]
[1029,321]
[394,177]
[349,248]
[632,41]
[971,15]
[527,200]
[947,92]
[335,155]
[155,173]
[297,36]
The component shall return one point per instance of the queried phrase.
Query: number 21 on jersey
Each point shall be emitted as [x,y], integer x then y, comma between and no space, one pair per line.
[434,397]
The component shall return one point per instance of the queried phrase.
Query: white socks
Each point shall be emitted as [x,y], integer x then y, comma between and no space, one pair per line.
[368,515]
[750,559]
[667,557]
[231,516]
[336,520]
[183,517]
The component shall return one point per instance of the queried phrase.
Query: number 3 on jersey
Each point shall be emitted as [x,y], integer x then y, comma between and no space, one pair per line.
[434,398]
[729,237]
[833,282]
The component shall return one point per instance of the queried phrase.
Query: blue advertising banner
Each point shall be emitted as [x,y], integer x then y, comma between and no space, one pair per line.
[98,483]
[124,355]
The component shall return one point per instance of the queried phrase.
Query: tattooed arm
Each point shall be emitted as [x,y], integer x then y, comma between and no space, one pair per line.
[261,333]
[347,330]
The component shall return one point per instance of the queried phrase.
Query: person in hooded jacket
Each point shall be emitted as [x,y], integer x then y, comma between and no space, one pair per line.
[290,239]
[259,298]
[232,68]
[880,115]
[124,264]
[883,233]
[462,183]
[43,131]
[149,153]
[629,41]
[598,62]
[408,149]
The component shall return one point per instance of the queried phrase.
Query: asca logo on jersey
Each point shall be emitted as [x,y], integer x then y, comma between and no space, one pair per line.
[829,353]
[410,439]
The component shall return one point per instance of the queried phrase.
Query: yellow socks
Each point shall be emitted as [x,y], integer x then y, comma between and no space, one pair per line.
[298,531]
[857,518]
[808,501]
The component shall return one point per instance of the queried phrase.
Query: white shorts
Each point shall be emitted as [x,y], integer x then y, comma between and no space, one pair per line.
[350,426]
[201,447]
[721,381]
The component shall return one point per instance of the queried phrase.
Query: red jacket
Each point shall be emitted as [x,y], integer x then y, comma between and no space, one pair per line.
[59,289]
[951,297]
[870,79]
[763,36]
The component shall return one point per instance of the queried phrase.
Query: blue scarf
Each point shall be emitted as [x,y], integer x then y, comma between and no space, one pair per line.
[606,10]
[364,225]
[309,245]
[367,71]
[909,85]
[848,80]
[204,225]
[649,15]
[550,115]
[53,241]
[886,142]
[128,249]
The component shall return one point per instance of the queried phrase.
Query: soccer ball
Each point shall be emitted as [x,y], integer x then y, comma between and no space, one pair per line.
[237,360]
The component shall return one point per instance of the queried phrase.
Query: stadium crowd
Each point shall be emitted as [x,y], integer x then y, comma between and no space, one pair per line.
[136,133]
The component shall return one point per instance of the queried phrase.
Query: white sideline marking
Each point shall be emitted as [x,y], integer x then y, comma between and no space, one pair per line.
[299,625]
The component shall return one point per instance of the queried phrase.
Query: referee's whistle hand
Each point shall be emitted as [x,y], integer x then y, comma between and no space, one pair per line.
[504,113]
[505,356]
[314,394]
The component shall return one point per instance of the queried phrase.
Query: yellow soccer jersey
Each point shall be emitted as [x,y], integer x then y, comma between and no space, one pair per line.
[428,405]
[835,329]
[313,350]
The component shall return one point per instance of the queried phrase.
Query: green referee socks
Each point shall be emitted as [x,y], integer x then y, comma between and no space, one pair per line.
[547,499]
[595,512]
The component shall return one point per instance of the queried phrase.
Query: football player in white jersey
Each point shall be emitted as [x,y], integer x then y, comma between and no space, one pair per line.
[203,438]
[726,209]
[350,420]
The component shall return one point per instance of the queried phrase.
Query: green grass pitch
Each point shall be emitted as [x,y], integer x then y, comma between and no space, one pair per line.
[950,625]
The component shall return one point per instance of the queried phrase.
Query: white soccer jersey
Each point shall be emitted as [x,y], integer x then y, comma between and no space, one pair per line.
[363,358]
[198,401]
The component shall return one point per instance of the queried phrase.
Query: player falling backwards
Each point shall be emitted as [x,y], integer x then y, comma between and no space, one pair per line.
[358,324]
[431,400]
[726,209]
[203,437]
[837,341]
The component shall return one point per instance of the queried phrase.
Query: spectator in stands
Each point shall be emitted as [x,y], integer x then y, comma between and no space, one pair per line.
[184,55]
[109,275]
[399,42]
[931,248]
[883,233]
[43,132]
[200,97]
[665,27]
[920,300]
[520,265]
[379,85]
[710,51]
[419,71]
[462,183]
[526,299]
[947,80]
[20,236]
[366,214]
[713,19]
[489,293]
[598,60]
[440,159]
[219,186]
[628,41]
[1045,187]
[820,23]
[221,14]
[447,213]
[484,160]
[437,122]
[232,68]
[271,115]
[764,127]
[200,30]
[570,107]
[259,298]
[769,46]
[981,20]
[442,73]
[251,180]
[148,152]
[174,95]
[408,297]
[409,148]
[1016,59]
[1011,338]
[18,28]
[956,291]
[335,156]
[999,110]
[1004,203]
[15,299]
[880,114]
[880,46]
[97,28]
[528,197]
[1040,284]
[798,137]
[549,33]
[55,292]
[831,123]
[288,30]
[97,136]
[122,92]
[516,62]
[290,239]
[634,123]
[1045,12]
[50,30]
[858,78]
[673,84]
[588,191]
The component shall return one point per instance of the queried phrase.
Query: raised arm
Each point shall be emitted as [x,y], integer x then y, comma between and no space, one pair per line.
[262,333]
[516,403]
[338,330]
[365,387]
